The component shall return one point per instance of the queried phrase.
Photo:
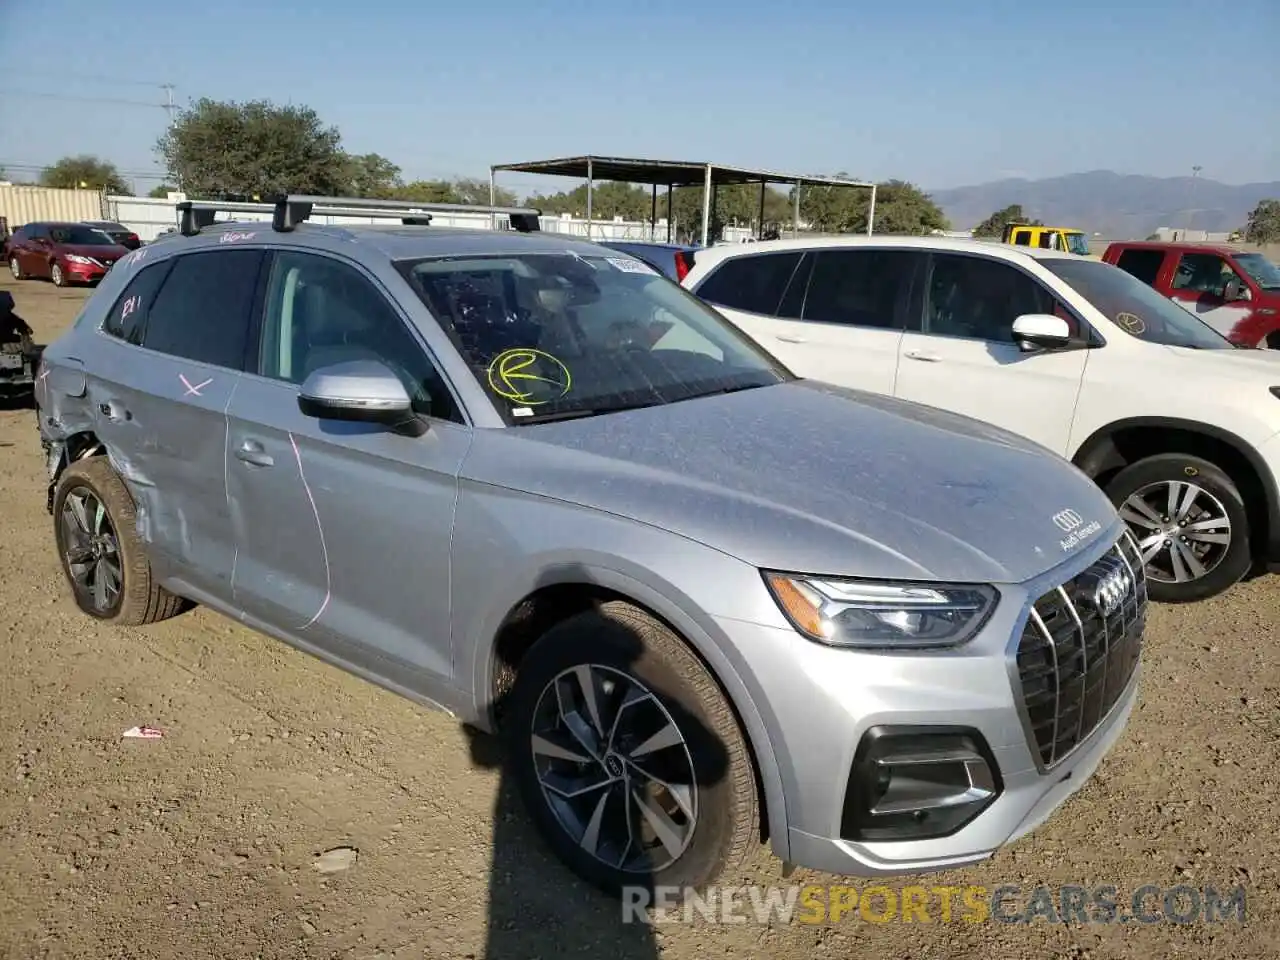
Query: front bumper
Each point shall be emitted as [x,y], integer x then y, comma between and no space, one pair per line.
[818,703]
[85,272]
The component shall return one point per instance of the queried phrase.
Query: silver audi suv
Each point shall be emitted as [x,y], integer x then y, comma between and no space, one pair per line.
[530,481]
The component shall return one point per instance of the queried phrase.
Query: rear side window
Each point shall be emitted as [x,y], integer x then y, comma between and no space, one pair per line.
[1022,238]
[1143,264]
[754,283]
[861,288]
[203,309]
[979,298]
[128,316]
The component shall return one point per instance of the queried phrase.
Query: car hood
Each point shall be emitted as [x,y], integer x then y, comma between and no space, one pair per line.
[97,251]
[1233,363]
[809,477]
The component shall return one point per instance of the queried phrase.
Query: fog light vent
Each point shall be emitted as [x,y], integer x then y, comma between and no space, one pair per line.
[917,783]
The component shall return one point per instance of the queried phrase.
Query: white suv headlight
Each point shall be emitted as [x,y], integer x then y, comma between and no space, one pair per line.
[883,615]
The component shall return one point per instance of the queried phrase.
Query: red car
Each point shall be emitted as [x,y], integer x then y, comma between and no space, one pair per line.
[1234,291]
[117,232]
[66,253]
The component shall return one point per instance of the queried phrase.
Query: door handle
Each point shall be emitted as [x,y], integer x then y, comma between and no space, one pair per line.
[922,356]
[251,452]
[789,338]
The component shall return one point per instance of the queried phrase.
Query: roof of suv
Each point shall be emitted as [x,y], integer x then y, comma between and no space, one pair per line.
[953,244]
[399,242]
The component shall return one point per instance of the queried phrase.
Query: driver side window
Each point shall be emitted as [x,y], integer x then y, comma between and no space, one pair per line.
[979,298]
[1203,273]
[320,311]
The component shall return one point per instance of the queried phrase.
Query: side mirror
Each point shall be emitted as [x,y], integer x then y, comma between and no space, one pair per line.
[365,391]
[1041,331]
[1235,290]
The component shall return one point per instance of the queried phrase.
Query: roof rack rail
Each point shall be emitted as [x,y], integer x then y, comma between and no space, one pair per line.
[288,211]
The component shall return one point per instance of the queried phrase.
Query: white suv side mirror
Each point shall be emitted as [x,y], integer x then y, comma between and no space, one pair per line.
[1041,331]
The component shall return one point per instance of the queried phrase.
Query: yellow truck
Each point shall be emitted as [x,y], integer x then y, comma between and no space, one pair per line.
[1048,238]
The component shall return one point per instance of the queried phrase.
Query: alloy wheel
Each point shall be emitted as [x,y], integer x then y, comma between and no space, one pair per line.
[15,268]
[1182,530]
[614,768]
[91,549]
[55,274]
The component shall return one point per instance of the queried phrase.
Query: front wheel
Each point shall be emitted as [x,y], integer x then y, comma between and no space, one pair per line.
[15,268]
[57,276]
[628,755]
[102,555]
[1190,524]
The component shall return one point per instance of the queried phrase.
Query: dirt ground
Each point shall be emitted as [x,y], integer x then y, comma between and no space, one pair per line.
[201,844]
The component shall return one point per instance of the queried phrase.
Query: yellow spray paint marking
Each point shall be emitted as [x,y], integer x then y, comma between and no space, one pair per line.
[510,376]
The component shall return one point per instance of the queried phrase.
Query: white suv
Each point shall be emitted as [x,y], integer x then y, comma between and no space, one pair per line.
[1181,429]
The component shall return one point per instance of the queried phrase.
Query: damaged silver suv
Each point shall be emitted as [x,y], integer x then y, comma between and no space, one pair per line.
[530,481]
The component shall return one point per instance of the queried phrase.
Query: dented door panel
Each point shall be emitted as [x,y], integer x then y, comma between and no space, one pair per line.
[164,425]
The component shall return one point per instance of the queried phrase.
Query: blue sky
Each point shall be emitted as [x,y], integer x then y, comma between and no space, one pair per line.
[940,92]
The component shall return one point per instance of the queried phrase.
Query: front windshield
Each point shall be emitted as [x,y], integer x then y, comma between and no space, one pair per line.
[1076,243]
[1264,273]
[556,335]
[1136,308]
[83,236]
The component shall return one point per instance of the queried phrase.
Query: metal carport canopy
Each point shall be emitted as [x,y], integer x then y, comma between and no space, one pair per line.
[673,173]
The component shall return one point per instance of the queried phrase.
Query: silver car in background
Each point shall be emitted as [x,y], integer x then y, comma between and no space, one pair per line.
[530,481]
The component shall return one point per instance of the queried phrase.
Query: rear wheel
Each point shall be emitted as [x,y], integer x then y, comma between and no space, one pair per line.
[1190,523]
[628,755]
[102,556]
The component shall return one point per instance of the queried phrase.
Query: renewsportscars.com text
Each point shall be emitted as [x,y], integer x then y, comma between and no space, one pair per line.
[1009,903]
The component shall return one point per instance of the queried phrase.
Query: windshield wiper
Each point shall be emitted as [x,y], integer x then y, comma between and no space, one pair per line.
[579,413]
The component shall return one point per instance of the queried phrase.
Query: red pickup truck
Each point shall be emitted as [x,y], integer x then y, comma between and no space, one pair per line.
[1234,291]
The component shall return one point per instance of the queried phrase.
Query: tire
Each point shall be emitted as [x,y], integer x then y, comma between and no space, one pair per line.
[137,599]
[56,275]
[1273,341]
[622,644]
[1217,511]
[15,268]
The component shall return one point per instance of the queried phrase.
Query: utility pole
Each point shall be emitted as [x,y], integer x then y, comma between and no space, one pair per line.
[171,109]
[1186,230]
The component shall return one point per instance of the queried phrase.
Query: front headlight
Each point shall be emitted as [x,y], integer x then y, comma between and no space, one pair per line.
[76,258]
[883,615]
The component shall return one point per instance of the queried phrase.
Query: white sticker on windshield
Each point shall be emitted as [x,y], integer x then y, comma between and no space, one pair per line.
[632,266]
[522,411]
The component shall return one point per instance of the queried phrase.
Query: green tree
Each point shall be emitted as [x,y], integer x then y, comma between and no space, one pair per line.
[84,172]
[609,199]
[372,175]
[162,191]
[473,190]
[1264,223]
[254,148]
[427,191]
[994,225]
[901,208]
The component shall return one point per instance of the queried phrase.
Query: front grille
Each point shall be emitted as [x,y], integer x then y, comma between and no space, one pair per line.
[1079,649]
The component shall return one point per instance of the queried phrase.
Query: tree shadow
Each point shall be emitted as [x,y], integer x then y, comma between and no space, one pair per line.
[538,906]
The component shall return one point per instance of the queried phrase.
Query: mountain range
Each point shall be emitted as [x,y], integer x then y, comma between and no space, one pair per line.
[1117,206]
